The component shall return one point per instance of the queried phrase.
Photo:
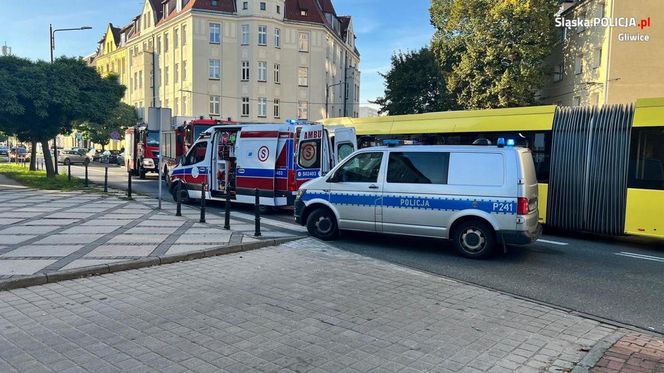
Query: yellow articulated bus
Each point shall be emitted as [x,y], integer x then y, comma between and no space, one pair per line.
[600,170]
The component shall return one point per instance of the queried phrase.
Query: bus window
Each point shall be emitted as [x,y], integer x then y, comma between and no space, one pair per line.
[646,163]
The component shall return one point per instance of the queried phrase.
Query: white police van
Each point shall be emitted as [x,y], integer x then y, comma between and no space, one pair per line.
[480,197]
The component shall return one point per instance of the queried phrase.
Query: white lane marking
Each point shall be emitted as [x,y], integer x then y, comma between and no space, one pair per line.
[641,256]
[553,242]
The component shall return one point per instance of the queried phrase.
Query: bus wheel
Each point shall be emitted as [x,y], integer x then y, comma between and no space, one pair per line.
[322,224]
[474,239]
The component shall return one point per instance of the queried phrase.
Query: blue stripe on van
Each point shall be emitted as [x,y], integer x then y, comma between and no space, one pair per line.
[420,203]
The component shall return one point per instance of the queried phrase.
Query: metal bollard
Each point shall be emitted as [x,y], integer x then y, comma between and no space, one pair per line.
[86,175]
[69,172]
[105,179]
[257,213]
[178,199]
[129,184]
[227,212]
[203,188]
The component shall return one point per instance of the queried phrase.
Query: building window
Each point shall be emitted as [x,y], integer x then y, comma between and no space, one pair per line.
[214,2]
[578,65]
[302,110]
[276,108]
[598,58]
[140,79]
[215,33]
[262,71]
[303,41]
[276,74]
[303,12]
[278,9]
[166,42]
[245,106]
[245,34]
[302,76]
[245,5]
[245,71]
[263,5]
[262,107]
[215,105]
[176,38]
[262,35]
[158,44]
[277,38]
[184,35]
[166,75]
[184,71]
[214,70]
[184,105]
[176,71]
[177,107]
[558,72]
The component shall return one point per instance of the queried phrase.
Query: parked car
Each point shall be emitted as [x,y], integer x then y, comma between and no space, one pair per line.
[71,156]
[19,155]
[121,159]
[4,151]
[479,197]
[94,155]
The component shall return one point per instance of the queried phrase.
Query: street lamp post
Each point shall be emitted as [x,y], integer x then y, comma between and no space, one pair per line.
[327,97]
[52,49]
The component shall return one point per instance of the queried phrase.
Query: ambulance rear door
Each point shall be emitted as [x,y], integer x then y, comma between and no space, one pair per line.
[256,152]
[313,153]
[345,143]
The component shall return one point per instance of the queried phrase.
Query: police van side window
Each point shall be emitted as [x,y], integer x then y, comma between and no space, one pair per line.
[196,154]
[418,168]
[363,168]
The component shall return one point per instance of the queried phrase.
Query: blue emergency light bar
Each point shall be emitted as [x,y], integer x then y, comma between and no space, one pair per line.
[392,142]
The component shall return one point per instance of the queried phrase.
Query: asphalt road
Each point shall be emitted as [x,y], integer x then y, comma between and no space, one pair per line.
[620,280]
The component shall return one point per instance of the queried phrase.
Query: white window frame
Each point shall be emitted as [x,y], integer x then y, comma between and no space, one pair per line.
[262,35]
[303,110]
[245,74]
[262,107]
[262,71]
[215,105]
[277,38]
[277,73]
[245,107]
[214,33]
[276,108]
[246,35]
[303,79]
[303,41]
[214,69]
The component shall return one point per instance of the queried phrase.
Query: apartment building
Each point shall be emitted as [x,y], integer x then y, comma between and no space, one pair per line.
[251,61]
[608,52]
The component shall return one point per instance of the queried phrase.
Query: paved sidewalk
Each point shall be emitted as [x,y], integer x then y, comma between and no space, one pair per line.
[302,306]
[49,231]
[633,353]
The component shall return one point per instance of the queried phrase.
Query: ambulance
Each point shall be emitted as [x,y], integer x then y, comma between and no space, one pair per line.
[275,159]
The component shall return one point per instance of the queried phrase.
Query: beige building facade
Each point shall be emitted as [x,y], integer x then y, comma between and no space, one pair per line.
[251,61]
[608,52]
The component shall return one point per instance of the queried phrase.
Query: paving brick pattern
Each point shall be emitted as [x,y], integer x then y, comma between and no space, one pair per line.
[633,353]
[303,306]
[49,231]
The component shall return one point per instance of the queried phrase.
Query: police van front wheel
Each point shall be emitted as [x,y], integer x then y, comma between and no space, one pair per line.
[322,224]
[474,239]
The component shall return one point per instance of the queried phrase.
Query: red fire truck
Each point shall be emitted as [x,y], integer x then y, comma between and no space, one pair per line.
[176,142]
[141,150]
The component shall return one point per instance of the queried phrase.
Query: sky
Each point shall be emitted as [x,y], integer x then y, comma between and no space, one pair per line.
[382,27]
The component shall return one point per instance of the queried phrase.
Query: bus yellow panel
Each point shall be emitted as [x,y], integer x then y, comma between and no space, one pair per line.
[649,112]
[644,212]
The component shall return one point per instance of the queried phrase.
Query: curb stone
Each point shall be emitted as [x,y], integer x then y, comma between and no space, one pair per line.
[595,354]
[46,278]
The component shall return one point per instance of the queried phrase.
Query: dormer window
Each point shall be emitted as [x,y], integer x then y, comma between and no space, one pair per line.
[278,9]
[303,12]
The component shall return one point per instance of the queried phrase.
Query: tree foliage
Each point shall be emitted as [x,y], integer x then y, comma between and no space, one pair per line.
[121,117]
[39,100]
[496,49]
[415,84]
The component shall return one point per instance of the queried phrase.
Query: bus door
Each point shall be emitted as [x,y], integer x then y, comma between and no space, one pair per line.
[345,143]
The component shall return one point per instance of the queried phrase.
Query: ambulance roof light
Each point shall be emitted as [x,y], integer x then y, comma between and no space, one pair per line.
[511,142]
[392,142]
[501,142]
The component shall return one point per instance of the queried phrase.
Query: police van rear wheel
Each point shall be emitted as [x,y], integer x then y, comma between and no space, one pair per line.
[474,239]
[322,224]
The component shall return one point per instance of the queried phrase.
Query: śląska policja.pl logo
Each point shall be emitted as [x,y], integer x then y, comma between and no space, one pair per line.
[619,22]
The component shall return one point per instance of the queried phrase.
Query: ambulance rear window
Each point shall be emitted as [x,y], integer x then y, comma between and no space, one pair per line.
[309,153]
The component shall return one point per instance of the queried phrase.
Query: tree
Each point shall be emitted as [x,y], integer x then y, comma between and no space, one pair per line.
[496,49]
[415,84]
[39,100]
[121,117]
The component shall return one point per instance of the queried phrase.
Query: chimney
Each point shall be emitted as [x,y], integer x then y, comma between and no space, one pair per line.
[178,5]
